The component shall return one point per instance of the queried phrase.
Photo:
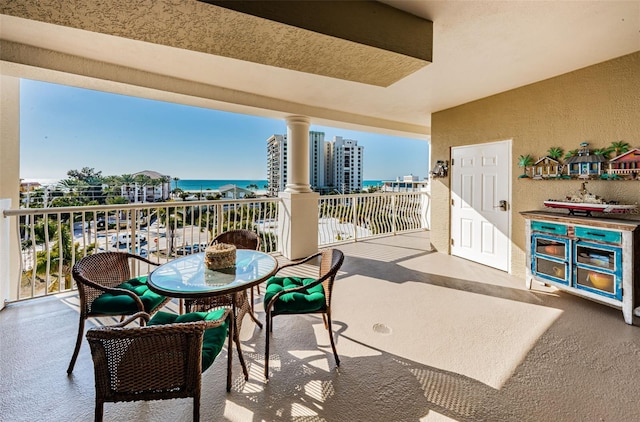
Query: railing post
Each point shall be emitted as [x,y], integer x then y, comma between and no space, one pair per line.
[354,217]
[393,214]
[133,245]
[425,201]
[219,218]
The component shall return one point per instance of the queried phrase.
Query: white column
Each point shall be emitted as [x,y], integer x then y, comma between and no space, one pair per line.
[298,154]
[298,213]
[9,184]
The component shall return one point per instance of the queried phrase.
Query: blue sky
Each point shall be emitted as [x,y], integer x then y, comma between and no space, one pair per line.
[64,128]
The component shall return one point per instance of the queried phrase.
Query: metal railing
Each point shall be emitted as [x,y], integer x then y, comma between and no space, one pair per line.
[53,239]
[344,218]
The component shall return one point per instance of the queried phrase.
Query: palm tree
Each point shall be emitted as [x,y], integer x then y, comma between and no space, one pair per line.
[127,180]
[59,254]
[165,181]
[555,153]
[87,183]
[619,147]
[571,153]
[525,161]
[171,219]
[142,181]
[605,152]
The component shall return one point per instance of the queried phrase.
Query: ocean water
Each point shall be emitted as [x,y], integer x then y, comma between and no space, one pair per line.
[203,184]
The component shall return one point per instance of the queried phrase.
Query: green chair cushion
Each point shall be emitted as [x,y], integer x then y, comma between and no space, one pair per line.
[297,302]
[213,339]
[110,304]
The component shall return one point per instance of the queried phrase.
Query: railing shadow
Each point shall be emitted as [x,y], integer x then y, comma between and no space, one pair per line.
[378,386]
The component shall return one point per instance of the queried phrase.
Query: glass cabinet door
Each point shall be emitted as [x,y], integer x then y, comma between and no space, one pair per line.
[598,269]
[556,248]
[550,258]
[557,271]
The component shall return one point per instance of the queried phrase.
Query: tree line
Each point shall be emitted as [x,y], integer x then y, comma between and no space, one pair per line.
[89,187]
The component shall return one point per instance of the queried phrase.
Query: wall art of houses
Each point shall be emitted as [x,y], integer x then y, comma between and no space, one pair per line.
[585,165]
[546,167]
[626,164]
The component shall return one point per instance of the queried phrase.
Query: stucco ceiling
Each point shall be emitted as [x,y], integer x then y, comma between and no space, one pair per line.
[480,48]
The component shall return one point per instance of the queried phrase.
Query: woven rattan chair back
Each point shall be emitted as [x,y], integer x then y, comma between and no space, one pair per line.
[331,261]
[107,269]
[241,238]
[148,363]
[94,274]
[330,264]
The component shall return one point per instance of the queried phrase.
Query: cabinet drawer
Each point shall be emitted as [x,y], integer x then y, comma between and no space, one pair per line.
[543,226]
[597,234]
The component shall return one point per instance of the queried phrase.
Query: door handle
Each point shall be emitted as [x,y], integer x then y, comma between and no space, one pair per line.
[502,205]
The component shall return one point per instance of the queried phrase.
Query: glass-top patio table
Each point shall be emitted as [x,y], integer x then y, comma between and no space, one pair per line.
[188,277]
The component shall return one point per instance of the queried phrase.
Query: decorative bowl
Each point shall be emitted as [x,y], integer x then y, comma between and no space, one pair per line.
[600,281]
[553,249]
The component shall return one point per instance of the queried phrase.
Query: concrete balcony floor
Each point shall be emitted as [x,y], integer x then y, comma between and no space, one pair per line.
[422,337]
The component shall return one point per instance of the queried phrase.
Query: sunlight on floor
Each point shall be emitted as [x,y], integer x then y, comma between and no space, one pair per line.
[482,336]
[436,417]
[234,412]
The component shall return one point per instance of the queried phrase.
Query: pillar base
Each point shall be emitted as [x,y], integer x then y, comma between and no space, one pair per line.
[298,222]
[298,188]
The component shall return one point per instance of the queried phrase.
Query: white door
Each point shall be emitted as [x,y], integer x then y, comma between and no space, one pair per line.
[480,223]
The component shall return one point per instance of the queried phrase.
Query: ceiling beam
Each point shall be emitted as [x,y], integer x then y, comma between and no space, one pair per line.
[363,41]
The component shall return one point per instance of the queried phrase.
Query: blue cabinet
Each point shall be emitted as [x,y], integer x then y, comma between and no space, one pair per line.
[591,257]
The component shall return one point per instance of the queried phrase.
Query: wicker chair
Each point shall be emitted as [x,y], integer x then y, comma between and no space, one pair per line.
[106,288]
[296,295]
[157,362]
[241,239]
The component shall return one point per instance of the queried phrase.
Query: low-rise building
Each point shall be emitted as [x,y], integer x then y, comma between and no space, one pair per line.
[408,183]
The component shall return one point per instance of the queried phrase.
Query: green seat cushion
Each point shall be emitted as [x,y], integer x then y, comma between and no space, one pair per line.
[213,338]
[111,304]
[297,302]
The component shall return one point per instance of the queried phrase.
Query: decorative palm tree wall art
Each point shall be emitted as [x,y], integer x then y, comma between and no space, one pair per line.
[525,161]
[555,153]
[619,147]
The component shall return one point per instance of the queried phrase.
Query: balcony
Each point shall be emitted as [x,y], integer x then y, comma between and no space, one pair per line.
[422,336]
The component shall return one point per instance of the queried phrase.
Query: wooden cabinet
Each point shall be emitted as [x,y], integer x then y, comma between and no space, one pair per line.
[597,258]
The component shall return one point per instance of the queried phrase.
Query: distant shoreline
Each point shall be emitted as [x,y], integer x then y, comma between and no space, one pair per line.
[196,185]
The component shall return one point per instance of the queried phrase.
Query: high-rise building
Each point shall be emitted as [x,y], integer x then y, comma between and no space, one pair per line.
[316,160]
[333,166]
[347,165]
[328,163]
[276,164]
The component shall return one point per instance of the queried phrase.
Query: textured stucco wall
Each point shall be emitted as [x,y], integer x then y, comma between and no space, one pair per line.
[599,104]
